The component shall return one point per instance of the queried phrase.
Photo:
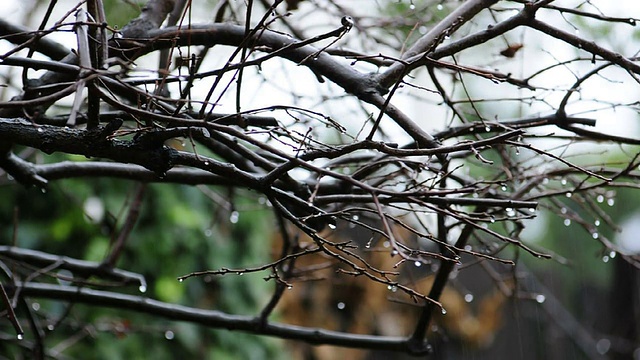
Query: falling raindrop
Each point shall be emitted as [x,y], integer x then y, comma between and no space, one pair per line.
[468,298]
[234,217]
[386,244]
[169,335]
[341,305]
[50,327]
[540,298]
[563,210]
[439,7]
[567,222]
[208,232]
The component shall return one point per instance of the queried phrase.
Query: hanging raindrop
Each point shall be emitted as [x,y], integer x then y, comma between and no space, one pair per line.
[603,346]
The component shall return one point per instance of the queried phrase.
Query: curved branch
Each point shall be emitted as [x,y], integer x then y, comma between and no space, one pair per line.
[211,318]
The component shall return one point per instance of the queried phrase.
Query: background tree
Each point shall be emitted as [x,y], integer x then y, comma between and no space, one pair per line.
[391,149]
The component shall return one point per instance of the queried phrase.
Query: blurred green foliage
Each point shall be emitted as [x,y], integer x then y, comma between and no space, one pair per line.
[180,230]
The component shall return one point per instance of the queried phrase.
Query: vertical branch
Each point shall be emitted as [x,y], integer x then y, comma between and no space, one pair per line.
[417,338]
[43,23]
[286,268]
[85,60]
[132,217]
[99,52]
